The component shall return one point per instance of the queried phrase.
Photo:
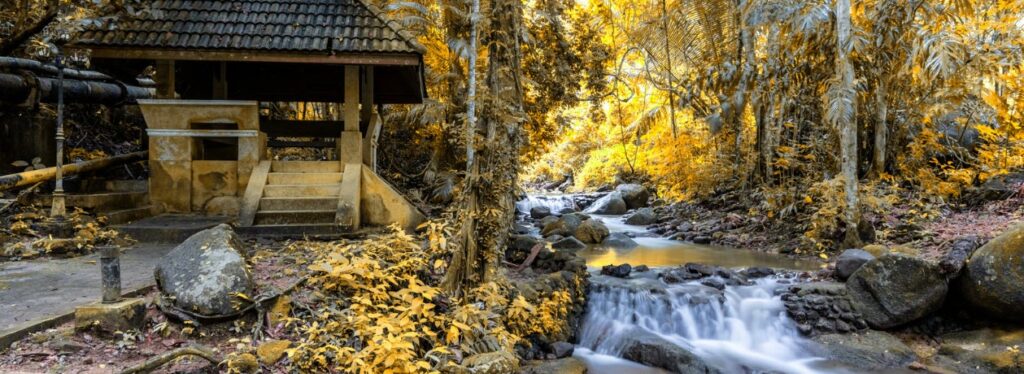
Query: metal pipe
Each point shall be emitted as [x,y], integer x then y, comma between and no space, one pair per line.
[110,270]
[57,207]
[27,178]
[18,89]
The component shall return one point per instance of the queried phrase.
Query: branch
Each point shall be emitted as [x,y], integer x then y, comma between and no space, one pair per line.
[7,48]
[158,361]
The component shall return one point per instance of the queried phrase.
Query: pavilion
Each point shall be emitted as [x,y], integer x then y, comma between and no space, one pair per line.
[217,66]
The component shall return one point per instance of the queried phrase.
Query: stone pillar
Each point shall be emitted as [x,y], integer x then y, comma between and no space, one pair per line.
[350,154]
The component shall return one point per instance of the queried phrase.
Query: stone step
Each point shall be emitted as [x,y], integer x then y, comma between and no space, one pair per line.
[118,217]
[301,190]
[325,231]
[133,185]
[305,167]
[298,203]
[100,202]
[169,228]
[284,217]
[303,178]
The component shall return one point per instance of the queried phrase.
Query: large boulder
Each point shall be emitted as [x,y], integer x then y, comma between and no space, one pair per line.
[565,226]
[634,195]
[867,350]
[612,203]
[652,350]
[850,261]
[618,240]
[642,217]
[591,231]
[205,272]
[994,278]
[539,212]
[893,290]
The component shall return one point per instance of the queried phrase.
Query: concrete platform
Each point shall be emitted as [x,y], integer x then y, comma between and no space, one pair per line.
[40,294]
[169,228]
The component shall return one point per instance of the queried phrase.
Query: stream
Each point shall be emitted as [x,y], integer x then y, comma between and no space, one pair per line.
[747,331]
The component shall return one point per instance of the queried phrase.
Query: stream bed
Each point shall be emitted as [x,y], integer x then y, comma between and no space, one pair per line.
[741,329]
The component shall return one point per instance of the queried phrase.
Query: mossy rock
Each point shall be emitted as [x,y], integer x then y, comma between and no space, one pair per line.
[994,278]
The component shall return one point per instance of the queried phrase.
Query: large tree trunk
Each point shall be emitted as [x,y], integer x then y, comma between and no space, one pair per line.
[847,121]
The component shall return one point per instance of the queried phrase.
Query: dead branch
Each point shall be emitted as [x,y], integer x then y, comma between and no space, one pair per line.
[158,361]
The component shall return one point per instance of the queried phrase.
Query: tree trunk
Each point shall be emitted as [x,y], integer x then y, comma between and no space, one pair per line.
[668,68]
[847,121]
[881,129]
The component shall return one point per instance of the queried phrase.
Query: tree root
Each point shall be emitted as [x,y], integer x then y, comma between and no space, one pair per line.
[162,359]
[169,308]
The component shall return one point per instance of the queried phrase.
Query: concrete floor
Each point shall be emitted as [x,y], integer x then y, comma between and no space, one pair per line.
[37,290]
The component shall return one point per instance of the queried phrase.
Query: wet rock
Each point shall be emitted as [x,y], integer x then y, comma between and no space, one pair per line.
[498,362]
[715,283]
[562,349]
[651,350]
[993,280]
[567,210]
[524,243]
[821,308]
[565,226]
[611,203]
[893,290]
[618,271]
[701,239]
[570,243]
[539,212]
[619,240]
[568,365]
[642,217]
[546,221]
[520,228]
[634,195]
[641,269]
[203,273]
[679,275]
[982,351]
[851,260]
[867,350]
[591,231]
[758,272]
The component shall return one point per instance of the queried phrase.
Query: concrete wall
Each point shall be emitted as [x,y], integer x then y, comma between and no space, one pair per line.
[381,205]
[24,135]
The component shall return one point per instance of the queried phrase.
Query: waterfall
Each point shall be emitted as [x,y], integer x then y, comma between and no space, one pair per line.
[554,202]
[743,329]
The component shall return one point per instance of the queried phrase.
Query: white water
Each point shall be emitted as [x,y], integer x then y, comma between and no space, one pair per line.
[748,332]
[554,202]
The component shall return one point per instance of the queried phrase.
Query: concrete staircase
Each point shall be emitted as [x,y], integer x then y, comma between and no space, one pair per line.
[299,198]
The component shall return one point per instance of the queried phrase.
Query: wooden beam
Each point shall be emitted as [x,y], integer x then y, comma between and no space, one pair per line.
[165,79]
[407,59]
[351,103]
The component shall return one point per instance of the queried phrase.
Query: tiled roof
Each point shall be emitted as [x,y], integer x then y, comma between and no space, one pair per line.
[312,26]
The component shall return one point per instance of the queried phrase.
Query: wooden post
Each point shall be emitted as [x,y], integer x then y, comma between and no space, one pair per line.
[165,79]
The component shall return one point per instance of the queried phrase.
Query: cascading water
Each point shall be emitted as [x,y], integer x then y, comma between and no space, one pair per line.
[554,202]
[742,330]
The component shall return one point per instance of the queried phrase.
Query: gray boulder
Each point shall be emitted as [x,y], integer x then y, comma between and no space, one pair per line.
[618,240]
[634,195]
[642,217]
[524,243]
[565,226]
[618,271]
[562,349]
[591,231]
[1000,187]
[546,221]
[652,350]
[894,289]
[570,243]
[203,273]
[539,212]
[850,261]
[994,277]
[612,203]
[867,350]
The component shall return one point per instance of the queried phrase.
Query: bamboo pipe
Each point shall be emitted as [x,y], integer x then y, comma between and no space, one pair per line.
[12,181]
